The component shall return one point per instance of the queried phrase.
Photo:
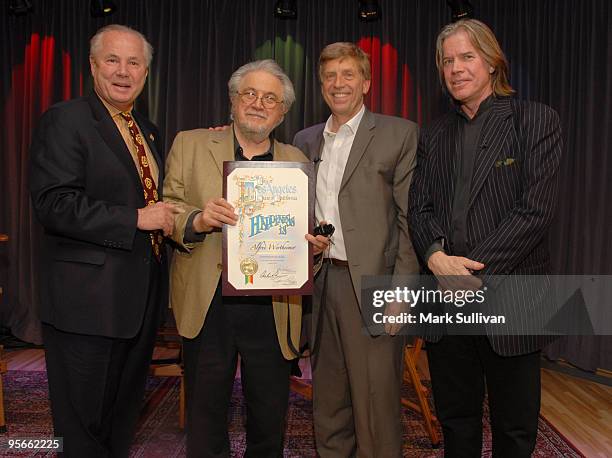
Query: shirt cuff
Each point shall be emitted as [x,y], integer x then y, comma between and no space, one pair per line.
[191,236]
[437,245]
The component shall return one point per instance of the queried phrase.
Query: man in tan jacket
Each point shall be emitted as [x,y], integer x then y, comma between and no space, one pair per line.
[216,329]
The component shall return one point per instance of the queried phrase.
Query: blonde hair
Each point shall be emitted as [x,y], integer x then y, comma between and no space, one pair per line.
[342,50]
[483,39]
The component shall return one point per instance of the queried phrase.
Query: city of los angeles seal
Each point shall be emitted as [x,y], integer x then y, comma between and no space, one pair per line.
[248,267]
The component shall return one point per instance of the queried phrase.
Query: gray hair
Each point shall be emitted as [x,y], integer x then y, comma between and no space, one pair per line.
[266,65]
[96,41]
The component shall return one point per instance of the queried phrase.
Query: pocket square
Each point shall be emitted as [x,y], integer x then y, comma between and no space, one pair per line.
[504,162]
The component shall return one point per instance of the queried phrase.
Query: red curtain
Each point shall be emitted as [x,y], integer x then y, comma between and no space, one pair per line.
[393,89]
[43,75]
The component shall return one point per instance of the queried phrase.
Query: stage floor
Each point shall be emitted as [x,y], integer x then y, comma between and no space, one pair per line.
[579,409]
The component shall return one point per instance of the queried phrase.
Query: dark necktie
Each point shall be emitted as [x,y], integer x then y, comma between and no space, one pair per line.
[148,185]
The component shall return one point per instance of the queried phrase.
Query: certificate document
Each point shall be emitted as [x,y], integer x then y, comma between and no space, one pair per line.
[266,253]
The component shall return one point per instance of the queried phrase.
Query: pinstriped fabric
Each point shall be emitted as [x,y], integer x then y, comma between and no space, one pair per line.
[512,202]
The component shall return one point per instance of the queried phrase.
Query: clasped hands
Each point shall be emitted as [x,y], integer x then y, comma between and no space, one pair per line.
[455,273]
[158,216]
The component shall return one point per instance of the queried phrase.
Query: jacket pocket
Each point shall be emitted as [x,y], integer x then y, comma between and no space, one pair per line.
[75,253]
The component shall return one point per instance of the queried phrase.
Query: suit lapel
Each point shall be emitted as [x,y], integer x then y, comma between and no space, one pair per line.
[112,137]
[317,148]
[313,146]
[280,153]
[221,146]
[365,133]
[492,138]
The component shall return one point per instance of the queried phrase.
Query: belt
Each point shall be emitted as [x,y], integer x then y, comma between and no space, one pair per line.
[336,262]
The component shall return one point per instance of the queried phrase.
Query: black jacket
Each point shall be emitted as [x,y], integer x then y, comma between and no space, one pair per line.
[85,192]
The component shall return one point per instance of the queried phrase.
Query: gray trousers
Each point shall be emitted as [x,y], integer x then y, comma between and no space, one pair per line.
[356,377]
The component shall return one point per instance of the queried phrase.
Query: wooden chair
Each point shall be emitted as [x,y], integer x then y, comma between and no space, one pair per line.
[411,356]
[3,369]
[3,366]
[300,387]
[296,384]
[411,375]
[173,367]
[167,337]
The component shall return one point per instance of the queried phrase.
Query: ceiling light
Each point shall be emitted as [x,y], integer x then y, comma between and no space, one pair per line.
[101,8]
[285,9]
[369,10]
[460,9]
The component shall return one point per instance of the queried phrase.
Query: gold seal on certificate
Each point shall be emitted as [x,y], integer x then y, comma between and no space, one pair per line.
[265,252]
[248,267]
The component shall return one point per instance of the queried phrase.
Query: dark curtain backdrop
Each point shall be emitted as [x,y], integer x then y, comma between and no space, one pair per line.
[559,52]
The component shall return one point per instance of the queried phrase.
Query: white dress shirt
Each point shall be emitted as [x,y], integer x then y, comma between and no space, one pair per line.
[329,178]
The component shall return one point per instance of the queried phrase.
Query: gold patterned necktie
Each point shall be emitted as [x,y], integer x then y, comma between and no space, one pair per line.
[148,185]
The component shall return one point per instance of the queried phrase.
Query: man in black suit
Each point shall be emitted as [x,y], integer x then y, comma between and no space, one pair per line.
[96,180]
[481,203]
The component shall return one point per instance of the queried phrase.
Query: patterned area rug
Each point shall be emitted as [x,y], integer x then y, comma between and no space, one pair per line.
[27,415]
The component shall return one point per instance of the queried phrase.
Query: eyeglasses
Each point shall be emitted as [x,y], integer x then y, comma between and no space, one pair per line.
[267,100]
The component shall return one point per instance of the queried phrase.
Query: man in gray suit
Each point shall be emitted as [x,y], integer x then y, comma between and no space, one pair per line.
[364,167]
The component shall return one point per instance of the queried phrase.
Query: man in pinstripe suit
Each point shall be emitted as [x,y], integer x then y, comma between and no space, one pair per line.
[482,199]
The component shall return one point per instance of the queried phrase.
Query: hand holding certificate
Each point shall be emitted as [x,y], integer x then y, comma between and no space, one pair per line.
[265,252]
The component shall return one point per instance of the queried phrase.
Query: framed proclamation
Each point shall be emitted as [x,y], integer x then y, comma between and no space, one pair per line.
[266,253]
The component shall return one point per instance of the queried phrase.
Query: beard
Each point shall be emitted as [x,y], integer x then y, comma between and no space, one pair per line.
[252,129]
